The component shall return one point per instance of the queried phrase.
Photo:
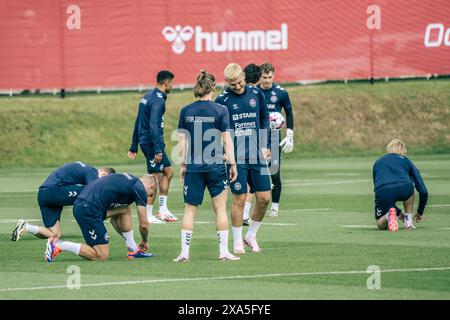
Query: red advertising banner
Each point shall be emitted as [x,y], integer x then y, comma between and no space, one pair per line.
[112,44]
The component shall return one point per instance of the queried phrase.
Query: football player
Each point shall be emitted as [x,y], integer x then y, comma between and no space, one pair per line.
[252,78]
[277,99]
[394,178]
[203,167]
[149,135]
[60,189]
[109,197]
[249,118]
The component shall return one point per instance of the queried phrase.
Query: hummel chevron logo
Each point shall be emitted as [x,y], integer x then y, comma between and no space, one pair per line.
[72,194]
[93,235]
[185,190]
[378,212]
[188,238]
[152,163]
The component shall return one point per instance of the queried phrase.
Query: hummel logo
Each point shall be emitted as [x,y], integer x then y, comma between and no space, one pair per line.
[235,106]
[159,95]
[72,194]
[185,190]
[188,238]
[225,183]
[378,212]
[152,163]
[178,35]
[93,235]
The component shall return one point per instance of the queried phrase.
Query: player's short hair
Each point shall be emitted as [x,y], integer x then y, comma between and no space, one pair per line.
[252,73]
[164,75]
[232,71]
[396,146]
[205,84]
[267,67]
[108,170]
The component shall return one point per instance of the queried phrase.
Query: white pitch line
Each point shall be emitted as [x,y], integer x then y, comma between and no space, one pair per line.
[295,210]
[325,183]
[19,191]
[272,275]
[344,174]
[438,205]
[15,220]
[279,224]
[356,226]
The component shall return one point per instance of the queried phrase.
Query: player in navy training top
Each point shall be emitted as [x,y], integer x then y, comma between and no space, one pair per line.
[394,178]
[277,99]
[249,119]
[60,189]
[149,135]
[202,125]
[252,77]
[109,197]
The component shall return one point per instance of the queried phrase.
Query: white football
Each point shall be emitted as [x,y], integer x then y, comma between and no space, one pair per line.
[276,121]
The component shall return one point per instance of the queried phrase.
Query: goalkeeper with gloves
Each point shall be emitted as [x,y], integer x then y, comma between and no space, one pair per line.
[277,99]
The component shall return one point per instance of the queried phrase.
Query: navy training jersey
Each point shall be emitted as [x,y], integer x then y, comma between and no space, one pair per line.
[393,168]
[71,174]
[149,124]
[278,99]
[248,114]
[117,190]
[203,122]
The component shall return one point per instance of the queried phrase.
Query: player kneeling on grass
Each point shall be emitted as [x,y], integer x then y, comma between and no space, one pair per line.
[394,177]
[60,189]
[109,197]
[199,123]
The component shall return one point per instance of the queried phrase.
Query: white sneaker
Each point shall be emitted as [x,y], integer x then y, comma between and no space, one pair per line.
[167,216]
[408,221]
[155,220]
[19,230]
[181,258]
[228,257]
[251,242]
[273,213]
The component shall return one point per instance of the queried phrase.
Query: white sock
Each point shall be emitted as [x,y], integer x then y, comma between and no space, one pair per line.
[32,229]
[186,237]
[253,228]
[248,206]
[149,211]
[275,206]
[237,235]
[223,242]
[129,240]
[162,203]
[69,246]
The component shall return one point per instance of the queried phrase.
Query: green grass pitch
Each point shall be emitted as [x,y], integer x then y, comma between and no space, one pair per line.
[319,248]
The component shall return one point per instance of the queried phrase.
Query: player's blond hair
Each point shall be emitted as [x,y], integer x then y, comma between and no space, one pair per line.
[232,71]
[396,146]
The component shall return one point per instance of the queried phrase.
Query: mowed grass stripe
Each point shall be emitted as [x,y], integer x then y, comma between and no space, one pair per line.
[237,277]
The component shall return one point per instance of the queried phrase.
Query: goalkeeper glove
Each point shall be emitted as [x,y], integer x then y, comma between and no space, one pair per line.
[288,142]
